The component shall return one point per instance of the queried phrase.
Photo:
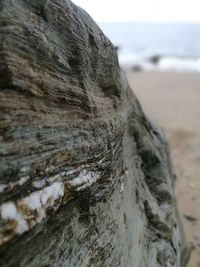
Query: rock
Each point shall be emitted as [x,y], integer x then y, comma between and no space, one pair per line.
[117,48]
[85,178]
[190,217]
[137,68]
[155,59]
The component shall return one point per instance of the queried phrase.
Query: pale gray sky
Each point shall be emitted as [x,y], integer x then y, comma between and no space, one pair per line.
[142,10]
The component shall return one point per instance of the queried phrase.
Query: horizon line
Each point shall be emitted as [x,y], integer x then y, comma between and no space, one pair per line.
[150,22]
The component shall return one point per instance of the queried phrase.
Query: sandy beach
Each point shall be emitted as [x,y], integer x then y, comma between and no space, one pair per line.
[172,100]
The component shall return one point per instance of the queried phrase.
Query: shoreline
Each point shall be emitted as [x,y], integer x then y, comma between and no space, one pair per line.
[160,63]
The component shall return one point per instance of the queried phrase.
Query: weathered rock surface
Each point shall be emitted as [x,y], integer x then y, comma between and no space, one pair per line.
[85,178]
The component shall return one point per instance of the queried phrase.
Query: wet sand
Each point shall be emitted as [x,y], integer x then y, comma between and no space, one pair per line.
[173,101]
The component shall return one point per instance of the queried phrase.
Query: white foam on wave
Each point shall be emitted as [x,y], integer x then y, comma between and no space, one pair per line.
[177,64]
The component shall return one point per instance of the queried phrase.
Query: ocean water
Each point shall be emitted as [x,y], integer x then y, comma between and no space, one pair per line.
[156,46]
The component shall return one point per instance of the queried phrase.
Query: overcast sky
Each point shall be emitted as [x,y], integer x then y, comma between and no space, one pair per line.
[142,10]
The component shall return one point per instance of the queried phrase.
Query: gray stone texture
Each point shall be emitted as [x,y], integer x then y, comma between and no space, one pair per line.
[85,177]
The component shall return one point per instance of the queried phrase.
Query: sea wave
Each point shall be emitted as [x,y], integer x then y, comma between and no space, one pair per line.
[159,63]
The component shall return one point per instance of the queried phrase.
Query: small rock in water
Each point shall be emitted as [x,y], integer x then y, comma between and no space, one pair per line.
[136,68]
[155,59]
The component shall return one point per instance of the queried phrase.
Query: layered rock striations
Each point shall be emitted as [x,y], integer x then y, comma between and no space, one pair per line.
[85,178]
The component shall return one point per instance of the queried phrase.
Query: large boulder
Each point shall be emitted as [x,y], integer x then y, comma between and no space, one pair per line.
[85,178]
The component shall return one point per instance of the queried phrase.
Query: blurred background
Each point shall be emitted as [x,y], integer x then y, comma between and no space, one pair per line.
[158,44]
